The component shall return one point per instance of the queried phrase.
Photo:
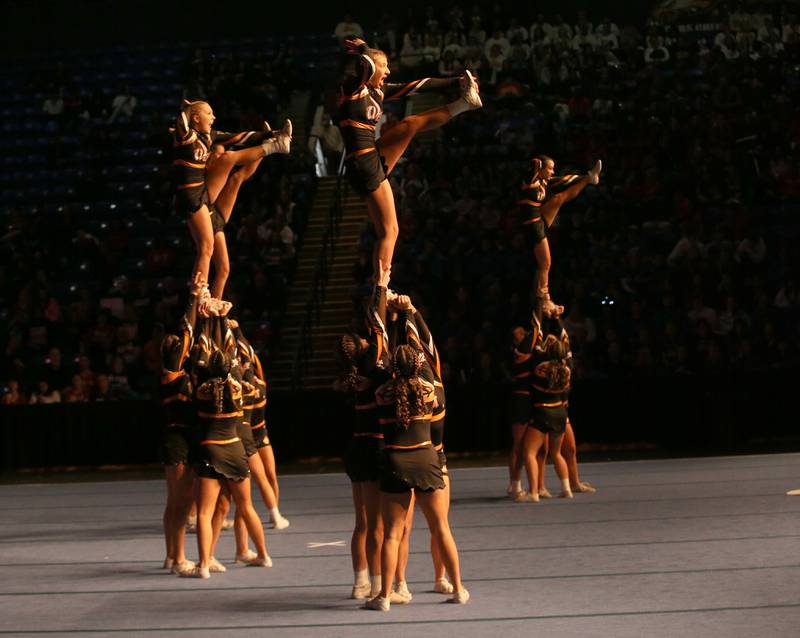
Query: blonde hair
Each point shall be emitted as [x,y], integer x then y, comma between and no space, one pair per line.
[192,108]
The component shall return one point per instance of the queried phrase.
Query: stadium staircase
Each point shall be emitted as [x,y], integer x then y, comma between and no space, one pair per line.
[320,303]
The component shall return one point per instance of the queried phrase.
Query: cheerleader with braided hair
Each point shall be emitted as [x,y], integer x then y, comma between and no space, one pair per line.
[364,365]
[551,376]
[222,461]
[411,464]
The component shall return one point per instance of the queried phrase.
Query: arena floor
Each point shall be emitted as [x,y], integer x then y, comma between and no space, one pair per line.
[683,547]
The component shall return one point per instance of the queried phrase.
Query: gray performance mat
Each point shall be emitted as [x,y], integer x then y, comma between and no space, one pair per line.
[684,547]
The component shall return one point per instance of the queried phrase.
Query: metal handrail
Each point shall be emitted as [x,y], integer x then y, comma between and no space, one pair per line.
[313,314]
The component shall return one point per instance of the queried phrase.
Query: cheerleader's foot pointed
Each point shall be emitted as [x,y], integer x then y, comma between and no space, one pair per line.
[594,173]
[470,92]
[281,141]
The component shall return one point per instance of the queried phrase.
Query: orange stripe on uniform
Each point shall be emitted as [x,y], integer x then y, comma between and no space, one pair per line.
[359,152]
[195,185]
[220,442]
[181,162]
[356,124]
[408,447]
[233,140]
[221,415]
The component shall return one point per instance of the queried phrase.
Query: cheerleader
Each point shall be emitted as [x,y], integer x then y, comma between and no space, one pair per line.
[541,198]
[550,383]
[418,334]
[411,463]
[368,161]
[365,366]
[222,460]
[197,189]
[175,393]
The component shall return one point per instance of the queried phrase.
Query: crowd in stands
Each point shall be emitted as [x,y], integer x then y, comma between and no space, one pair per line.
[681,262]
[89,262]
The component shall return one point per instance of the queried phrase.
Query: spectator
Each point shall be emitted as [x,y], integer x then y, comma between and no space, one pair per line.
[13,395]
[45,394]
[348,28]
[122,106]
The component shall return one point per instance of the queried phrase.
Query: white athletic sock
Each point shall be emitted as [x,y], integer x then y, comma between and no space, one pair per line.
[517,486]
[361,577]
[274,514]
[376,583]
[565,488]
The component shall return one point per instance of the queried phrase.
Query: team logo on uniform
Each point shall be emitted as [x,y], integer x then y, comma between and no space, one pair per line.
[200,154]
[373,113]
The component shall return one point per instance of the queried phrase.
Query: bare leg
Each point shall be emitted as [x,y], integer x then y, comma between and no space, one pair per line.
[569,450]
[207,493]
[241,494]
[259,476]
[543,262]
[179,500]
[371,497]
[358,541]
[267,454]
[393,509]
[541,459]
[380,205]
[553,204]
[436,550]
[392,145]
[240,534]
[203,235]
[219,169]
[534,439]
[227,196]
[402,553]
[434,507]
[220,512]
[222,266]
[515,461]
[560,464]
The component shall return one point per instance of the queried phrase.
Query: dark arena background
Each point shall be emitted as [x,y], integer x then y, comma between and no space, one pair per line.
[678,273]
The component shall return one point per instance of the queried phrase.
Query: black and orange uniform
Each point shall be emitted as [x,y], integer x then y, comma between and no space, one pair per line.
[410,461]
[550,401]
[190,154]
[362,459]
[259,419]
[249,399]
[360,110]
[175,393]
[219,413]
[521,359]
[535,193]
[417,333]
[255,403]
